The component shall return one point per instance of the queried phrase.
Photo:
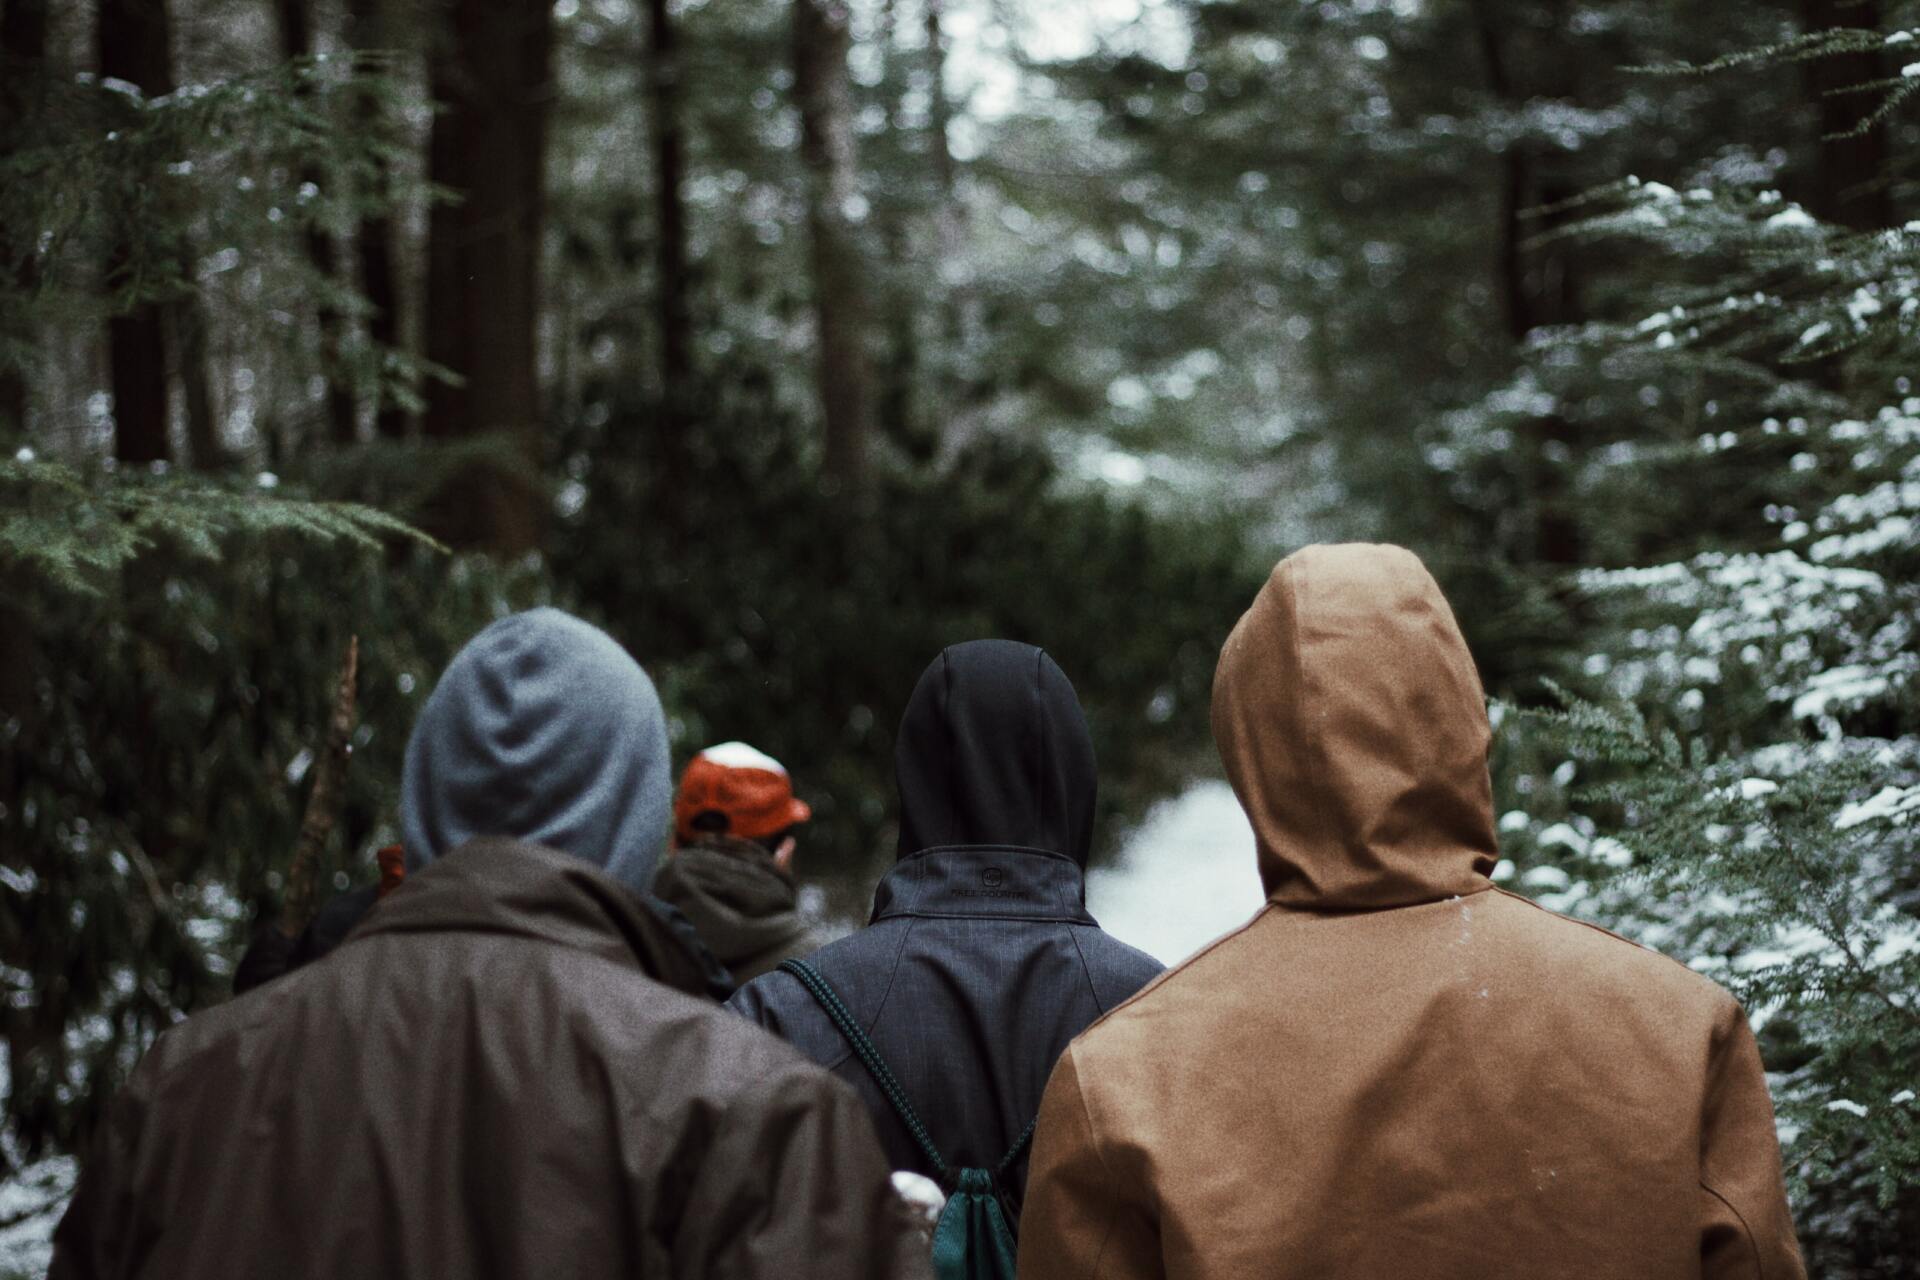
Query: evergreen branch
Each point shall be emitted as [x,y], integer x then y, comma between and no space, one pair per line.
[76,532]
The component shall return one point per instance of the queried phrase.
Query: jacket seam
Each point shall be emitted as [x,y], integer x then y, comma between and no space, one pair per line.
[1746,1232]
[1086,970]
[1607,933]
[1045,745]
[846,1050]
[893,971]
[896,914]
[1093,1141]
[988,848]
[1310,695]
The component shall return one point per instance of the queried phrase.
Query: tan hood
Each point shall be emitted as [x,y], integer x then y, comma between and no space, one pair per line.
[1354,730]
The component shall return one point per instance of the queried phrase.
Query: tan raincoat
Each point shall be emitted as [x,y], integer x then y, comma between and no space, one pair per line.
[1396,1069]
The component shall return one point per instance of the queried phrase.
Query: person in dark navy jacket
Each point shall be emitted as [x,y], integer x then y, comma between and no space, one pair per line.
[981,961]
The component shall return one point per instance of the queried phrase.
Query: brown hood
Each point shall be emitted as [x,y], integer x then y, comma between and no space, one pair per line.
[1354,730]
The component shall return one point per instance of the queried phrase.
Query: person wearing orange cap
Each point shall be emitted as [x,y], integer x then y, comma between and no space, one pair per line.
[731,868]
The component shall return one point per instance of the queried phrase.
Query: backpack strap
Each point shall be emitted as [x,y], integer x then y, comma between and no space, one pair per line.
[863,1048]
[1013,1152]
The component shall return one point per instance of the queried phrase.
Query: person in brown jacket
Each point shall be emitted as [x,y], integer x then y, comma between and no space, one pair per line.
[1395,1068]
[507,1070]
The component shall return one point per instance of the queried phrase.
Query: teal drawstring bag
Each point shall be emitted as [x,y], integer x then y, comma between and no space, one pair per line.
[972,1240]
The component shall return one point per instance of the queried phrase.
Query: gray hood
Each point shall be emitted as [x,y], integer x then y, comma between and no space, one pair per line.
[542,729]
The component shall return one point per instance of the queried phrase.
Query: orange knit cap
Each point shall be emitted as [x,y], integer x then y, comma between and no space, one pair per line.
[750,787]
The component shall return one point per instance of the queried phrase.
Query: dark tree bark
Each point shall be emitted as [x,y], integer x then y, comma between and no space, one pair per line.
[367,30]
[187,323]
[950,227]
[296,41]
[133,38]
[820,43]
[23,54]
[904,300]
[492,75]
[673,311]
[1538,287]
[1850,184]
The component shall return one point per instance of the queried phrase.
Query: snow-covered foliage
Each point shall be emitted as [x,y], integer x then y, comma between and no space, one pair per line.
[1733,775]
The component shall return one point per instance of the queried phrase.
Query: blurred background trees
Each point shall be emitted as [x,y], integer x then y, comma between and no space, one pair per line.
[793,339]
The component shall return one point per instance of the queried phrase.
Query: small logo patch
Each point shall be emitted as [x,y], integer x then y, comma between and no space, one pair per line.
[993,877]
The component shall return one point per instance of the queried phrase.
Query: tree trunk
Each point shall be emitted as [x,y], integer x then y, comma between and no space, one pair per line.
[674,314]
[367,30]
[940,117]
[492,77]
[296,41]
[133,38]
[898,410]
[187,325]
[1851,186]
[1538,287]
[820,43]
[23,55]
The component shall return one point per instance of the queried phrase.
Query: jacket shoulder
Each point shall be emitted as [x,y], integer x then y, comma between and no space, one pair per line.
[1170,983]
[1115,969]
[1608,957]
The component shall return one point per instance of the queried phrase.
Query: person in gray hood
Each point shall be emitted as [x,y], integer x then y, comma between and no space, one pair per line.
[543,728]
[543,687]
[507,1069]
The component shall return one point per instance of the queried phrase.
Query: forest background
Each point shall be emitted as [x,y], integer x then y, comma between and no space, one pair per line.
[794,339]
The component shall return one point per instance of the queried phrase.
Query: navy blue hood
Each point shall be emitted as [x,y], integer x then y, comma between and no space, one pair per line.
[994,750]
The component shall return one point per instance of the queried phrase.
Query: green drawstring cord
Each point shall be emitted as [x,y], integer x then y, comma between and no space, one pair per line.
[869,1055]
[863,1048]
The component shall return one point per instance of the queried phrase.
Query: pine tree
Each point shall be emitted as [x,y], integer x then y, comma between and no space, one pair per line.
[1754,768]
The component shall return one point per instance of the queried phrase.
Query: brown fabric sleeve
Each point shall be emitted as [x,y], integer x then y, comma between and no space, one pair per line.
[794,1187]
[1079,1220]
[1746,1230]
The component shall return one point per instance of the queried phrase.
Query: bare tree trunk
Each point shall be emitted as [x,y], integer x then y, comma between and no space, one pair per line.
[133,39]
[493,77]
[1538,288]
[1851,184]
[820,43]
[904,297]
[187,323]
[674,314]
[367,30]
[23,54]
[296,41]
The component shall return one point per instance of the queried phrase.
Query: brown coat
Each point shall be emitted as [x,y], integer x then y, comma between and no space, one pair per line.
[1396,1069]
[490,1078]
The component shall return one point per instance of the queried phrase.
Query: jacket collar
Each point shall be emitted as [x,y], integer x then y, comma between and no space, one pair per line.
[1001,882]
[499,885]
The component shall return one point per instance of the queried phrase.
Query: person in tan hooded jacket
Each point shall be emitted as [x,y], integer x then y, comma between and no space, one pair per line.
[1395,1068]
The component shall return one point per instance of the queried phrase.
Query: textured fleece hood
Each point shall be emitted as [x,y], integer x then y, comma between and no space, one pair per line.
[1354,730]
[994,750]
[545,730]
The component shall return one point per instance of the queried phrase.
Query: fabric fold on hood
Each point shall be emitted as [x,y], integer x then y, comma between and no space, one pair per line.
[1354,730]
[743,904]
[994,750]
[543,729]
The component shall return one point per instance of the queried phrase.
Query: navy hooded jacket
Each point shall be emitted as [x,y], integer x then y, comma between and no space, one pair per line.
[981,961]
